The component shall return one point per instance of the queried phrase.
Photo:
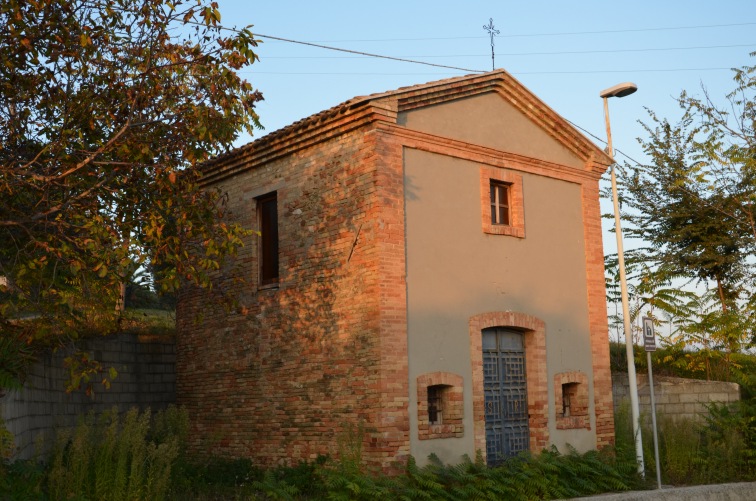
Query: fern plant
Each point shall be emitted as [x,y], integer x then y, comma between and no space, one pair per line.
[112,459]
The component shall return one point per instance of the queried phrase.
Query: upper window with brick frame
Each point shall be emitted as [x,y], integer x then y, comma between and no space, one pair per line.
[501,202]
[267,250]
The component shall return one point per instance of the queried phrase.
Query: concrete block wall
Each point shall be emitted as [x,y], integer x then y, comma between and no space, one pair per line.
[676,398]
[146,378]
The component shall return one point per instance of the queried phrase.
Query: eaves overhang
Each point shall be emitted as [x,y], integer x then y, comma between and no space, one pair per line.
[385,106]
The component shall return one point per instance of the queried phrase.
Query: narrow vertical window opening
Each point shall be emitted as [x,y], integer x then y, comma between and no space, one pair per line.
[267,209]
[499,203]
[435,407]
[569,392]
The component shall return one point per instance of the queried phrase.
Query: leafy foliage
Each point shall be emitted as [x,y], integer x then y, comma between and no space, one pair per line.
[549,475]
[114,458]
[692,209]
[135,456]
[717,450]
[694,204]
[107,109]
[22,481]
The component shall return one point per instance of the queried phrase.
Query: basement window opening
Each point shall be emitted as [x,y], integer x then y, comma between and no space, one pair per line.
[569,392]
[435,403]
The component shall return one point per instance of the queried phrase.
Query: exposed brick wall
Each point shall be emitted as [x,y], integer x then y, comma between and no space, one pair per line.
[146,379]
[598,322]
[577,391]
[452,406]
[391,439]
[535,367]
[279,378]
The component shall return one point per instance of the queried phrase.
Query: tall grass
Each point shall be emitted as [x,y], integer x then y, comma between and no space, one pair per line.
[694,452]
[116,457]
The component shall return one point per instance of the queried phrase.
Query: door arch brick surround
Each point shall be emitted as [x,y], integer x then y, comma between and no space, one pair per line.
[535,365]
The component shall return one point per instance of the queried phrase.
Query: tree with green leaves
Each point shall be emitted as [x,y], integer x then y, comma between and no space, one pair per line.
[695,203]
[693,207]
[107,110]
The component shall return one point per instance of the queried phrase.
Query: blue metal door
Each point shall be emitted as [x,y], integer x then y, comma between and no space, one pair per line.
[505,389]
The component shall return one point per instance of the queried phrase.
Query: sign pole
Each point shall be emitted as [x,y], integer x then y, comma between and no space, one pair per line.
[649,343]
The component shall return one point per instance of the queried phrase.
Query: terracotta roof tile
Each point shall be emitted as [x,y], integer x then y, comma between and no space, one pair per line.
[351,104]
[408,97]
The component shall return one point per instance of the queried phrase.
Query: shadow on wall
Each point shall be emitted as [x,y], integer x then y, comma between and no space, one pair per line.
[276,379]
[146,379]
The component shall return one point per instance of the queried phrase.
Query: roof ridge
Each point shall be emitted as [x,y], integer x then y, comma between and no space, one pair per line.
[420,95]
[314,119]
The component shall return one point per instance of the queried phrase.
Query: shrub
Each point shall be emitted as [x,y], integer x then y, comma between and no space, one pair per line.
[695,453]
[114,458]
[548,475]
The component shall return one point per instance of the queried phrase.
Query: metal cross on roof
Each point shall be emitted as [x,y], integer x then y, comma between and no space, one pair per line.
[493,32]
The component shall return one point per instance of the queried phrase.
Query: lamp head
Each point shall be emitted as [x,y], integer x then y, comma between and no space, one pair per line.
[619,90]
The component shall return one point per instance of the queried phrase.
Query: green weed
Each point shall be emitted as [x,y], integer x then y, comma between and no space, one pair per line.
[112,458]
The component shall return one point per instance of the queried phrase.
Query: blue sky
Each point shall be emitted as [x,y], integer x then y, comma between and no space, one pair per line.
[564,52]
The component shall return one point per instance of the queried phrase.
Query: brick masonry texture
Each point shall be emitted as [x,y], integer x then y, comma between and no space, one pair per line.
[516,227]
[535,367]
[285,373]
[578,416]
[597,317]
[146,379]
[452,405]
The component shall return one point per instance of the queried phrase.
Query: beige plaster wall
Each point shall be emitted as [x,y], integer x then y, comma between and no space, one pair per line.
[455,271]
[504,127]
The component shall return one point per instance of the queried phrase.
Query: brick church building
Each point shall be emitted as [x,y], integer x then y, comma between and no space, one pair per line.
[429,272]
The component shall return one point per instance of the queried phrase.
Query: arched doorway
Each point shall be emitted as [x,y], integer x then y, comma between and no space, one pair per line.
[532,334]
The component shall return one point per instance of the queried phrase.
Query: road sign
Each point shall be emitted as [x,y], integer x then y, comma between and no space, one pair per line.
[649,343]
[649,340]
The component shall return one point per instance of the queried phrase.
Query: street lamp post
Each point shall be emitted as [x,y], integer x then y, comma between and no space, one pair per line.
[622,90]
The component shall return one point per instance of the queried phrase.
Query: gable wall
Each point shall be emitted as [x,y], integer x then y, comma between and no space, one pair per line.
[292,370]
[457,271]
[489,120]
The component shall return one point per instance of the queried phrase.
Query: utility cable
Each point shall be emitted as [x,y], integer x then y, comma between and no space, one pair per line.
[368,54]
[522,35]
[483,71]
[608,51]
[511,72]
[644,167]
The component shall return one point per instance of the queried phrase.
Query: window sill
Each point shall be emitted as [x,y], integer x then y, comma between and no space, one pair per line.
[267,287]
[573,422]
[429,432]
[504,229]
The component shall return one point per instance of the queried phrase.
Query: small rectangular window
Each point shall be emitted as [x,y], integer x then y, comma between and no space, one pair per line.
[434,404]
[499,203]
[569,392]
[267,210]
